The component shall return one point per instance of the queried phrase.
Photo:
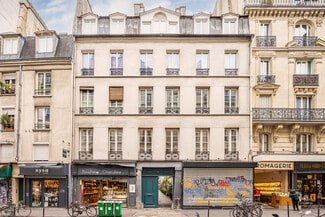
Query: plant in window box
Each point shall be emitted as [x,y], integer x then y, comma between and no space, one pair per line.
[5,88]
[7,122]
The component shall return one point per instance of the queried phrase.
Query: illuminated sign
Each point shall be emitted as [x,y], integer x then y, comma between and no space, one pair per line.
[275,165]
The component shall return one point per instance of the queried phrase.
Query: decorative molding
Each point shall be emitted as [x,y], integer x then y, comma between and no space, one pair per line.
[293,131]
[266,88]
[257,131]
[320,131]
[305,91]
[276,132]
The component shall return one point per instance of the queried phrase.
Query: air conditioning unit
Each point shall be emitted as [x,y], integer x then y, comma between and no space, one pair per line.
[198,157]
[111,156]
[148,156]
[168,156]
[228,156]
[175,156]
[142,156]
[118,156]
[234,156]
[205,156]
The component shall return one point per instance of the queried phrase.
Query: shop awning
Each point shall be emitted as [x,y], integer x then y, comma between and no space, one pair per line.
[5,171]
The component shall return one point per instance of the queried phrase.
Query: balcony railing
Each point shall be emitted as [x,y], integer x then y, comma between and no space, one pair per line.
[202,110]
[145,155]
[231,110]
[146,71]
[266,79]
[171,155]
[85,155]
[265,41]
[288,114]
[117,71]
[86,110]
[87,72]
[115,155]
[172,71]
[231,155]
[231,71]
[202,71]
[305,80]
[42,126]
[116,110]
[7,88]
[172,110]
[43,92]
[305,41]
[286,3]
[201,155]
[145,110]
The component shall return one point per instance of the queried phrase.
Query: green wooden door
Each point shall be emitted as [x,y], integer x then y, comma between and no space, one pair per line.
[150,191]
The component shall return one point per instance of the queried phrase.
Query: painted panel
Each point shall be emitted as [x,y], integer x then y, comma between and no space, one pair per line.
[150,191]
[216,186]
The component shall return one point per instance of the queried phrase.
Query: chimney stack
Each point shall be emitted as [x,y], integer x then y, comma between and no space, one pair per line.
[138,8]
[181,10]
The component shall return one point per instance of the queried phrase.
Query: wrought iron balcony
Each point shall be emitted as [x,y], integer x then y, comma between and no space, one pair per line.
[87,72]
[305,41]
[265,41]
[288,114]
[171,155]
[117,71]
[231,71]
[266,79]
[116,110]
[85,155]
[146,71]
[202,71]
[86,110]
[115,155]
[305,80]
[145,110]
[172,110]
[43,92]
[42,126]
[145,155]
[202,155]
[6,89]
[285,3]
[231,110]
[202,110]
[172,71]
[231,155]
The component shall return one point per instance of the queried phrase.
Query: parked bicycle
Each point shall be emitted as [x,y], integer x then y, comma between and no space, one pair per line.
[76,209]
[11,209]
[246,208]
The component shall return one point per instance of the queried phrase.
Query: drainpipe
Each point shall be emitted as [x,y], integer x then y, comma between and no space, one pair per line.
[251,102]
[18,114]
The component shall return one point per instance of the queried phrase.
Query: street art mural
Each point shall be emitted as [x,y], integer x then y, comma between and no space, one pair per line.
[217,188]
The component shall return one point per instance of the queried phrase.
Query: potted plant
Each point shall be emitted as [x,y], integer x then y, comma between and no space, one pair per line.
[7,122]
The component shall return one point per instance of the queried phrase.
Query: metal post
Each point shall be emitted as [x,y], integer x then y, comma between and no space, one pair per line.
[208,208]
[288,209]
[318,211]
[43,206]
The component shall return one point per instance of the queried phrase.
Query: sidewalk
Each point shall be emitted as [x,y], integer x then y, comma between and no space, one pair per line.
[168,212]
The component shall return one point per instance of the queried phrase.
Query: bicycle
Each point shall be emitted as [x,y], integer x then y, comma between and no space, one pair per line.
[11,209]
[246,208]
[76,208]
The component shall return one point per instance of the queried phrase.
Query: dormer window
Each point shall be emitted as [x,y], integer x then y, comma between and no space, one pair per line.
[201,26]
[229,26]
[117,26]
[45,44]
[89,26]
[159,23]
[10,46]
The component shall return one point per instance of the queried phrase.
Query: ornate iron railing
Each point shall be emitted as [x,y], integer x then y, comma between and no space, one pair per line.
[87,72]
[85,155]
[116,110]
[202,110]
[172,71]
[305,80]
[265,41]
[43,92]
[231,71]
[202,71]
[146,71]
[86,110]
[172,110]
[145,110]
[231,110]
[285,3]
[305,41]
[116,71]
[289,114]
[266,79]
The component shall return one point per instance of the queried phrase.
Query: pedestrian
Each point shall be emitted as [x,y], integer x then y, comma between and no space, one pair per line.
[295,196]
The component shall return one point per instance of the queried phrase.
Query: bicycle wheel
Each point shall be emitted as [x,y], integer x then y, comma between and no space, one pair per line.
[24,211]
[91,211]
[73,211]
[8,211]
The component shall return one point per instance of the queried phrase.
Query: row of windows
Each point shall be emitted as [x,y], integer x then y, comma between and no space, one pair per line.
[172,102]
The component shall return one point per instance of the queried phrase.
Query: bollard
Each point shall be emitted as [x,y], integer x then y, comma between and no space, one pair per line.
[288,212]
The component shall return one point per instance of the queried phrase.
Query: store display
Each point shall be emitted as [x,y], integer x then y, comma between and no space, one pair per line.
[268,188]
[51,192]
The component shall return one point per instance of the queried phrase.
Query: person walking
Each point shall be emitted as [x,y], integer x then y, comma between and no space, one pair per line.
[295,196]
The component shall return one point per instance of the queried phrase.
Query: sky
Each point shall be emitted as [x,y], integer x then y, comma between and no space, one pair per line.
[58,14]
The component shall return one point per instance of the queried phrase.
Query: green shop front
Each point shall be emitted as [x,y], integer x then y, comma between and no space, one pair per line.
[45,184]
[5,183]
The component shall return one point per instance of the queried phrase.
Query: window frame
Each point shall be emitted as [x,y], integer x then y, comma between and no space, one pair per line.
[264,142]
[304,147]
[115,140]
[43,83]
[231,140]
[42,117]
[172,140]
[202,139]
[86,139]
[145,140]
[231,100]
[10,46]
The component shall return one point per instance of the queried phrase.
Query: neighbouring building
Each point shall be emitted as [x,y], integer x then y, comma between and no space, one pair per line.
[288,59]
[162,94]
[36,84]
[21,17]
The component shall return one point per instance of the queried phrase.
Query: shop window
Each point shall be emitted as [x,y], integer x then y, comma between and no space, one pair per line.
[105,189]
[45,191]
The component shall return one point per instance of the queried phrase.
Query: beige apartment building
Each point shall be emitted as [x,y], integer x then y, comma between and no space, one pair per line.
[162,95]
[36,118]
[288,97]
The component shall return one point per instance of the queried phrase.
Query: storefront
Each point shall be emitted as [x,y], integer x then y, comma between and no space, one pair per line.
[272,181]
[216,183]
[45,185]
[5,183]
[104,182]
[309,178]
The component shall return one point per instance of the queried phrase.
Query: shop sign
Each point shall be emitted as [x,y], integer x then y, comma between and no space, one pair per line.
[275,165]
[102,172]
[307,166]
[44,170]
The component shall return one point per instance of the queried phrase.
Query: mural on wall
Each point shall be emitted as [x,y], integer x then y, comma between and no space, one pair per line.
[217,188]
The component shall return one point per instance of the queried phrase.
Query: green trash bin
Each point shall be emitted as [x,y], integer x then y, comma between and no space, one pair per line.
[110,208]
[118,208]
[101,208]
